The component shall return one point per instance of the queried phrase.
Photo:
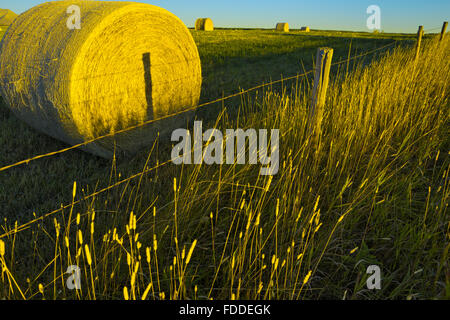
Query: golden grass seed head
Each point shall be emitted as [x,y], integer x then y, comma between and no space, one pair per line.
[299,215]
[269,182]
[307,277]
[132,222]
[155,243]
[354,250]
[242,204]
[2,248]
[147,254]
[317,228]
[80,237]
[74,190]
[191,250]
[260,287]
[57,227]
[79,251]
[258,218]
[147,290]
[88,254]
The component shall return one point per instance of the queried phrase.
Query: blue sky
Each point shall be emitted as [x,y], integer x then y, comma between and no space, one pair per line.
[396,15]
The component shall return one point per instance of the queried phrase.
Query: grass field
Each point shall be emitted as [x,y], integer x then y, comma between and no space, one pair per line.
[372,190]
[231,59]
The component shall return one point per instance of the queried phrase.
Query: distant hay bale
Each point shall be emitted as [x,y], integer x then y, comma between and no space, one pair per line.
[129,63]
[305,29]
[282,26]
[6,17]
[204,24]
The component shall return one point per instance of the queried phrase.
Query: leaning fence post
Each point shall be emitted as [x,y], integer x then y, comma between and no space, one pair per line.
[444,30]
[419,41]
[321,79]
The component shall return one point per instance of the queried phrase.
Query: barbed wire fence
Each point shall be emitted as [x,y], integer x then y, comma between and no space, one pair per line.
[145,171]
[194,108]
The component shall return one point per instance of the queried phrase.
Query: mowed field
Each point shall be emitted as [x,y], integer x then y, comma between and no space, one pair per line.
[373,190]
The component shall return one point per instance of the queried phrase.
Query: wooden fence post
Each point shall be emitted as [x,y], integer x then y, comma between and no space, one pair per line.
[321,79]
[419,41]
[444,30]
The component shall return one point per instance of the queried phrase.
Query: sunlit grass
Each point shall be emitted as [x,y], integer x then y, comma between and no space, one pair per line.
[373,189]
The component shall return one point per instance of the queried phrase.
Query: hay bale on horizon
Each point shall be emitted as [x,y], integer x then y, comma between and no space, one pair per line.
[129,63]
[7,17]
[282,26]
[305,29]
[204,24]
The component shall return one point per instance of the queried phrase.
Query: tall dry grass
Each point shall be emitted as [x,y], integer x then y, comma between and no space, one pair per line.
[373,189]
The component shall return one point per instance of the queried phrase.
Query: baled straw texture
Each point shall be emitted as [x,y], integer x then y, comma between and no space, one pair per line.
[129,63]
[6,17]
[283,26]
[204,24]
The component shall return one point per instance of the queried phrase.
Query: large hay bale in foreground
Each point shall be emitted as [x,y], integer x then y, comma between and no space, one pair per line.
[129,63]
[305,29]
[204,24]
[6,17]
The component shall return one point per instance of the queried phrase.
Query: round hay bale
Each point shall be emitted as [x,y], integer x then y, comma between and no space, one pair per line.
[204,24]
[282,26]
[305,29]
[6,17]
[128,63]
